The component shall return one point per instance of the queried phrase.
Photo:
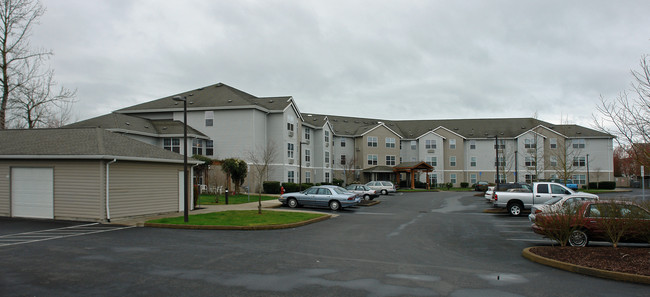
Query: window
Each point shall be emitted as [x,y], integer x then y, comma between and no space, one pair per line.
[342,142]
[290,150]
[172,144]
[453,178]
[327,157]
[472,162]
[553,161]
[327,180]
[290,177]
[433,179]
[530,162]
[578,143]
[390,160]
[430,144]
[307,156]
[327,136]
[209,147]
[372,141]
[452,144]
[307,133]
[579,179]
[531,178]
[414,144]
[343,160]
[390,142]
[307,177]
[579,161]
[209,118]
[197,147]
[529,143]
[372,159]
[290,127]
[553,143]
[452,161]
[472,178]
[433,161]
[472,145]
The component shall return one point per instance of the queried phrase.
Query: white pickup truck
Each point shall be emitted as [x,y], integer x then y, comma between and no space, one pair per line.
[516,202]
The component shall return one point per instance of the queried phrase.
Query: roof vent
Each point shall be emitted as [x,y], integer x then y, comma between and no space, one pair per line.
[128,124]
[146,126]
[229,100]
[164,128]
[191,102]
[335,120]
[345,121]
[270,101]
[578,132]
[315,119]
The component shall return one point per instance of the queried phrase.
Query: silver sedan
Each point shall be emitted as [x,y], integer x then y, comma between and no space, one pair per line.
[321,196]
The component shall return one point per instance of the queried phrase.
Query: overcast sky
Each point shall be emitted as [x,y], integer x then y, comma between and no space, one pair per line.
[379,59]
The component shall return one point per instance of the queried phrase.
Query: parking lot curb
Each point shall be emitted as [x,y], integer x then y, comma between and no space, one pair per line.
[371,203]
[261,227]
[494,210]
[619,276]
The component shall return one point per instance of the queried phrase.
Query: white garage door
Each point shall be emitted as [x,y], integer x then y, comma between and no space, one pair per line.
[32,192]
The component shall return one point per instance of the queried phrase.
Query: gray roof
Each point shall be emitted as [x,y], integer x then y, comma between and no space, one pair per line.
[80,143]
[136,125]
[212,97]
[468,128]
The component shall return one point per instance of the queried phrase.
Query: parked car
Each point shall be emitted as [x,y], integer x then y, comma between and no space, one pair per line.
[333,197]
[515,202]
[363,191]
[383,187]
[593,217]
[558,203]
[507,186]
[489,193]
[481,186]
[569,183]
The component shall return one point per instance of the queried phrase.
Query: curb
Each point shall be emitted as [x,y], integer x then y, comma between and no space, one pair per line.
[371,203]
[619,276]
[261,227]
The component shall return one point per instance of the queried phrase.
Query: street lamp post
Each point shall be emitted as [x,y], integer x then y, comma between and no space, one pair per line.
[496,149]
[185,173]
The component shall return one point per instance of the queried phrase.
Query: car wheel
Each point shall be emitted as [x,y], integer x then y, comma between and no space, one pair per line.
[384,192]
[335,205]
[293,203]
[515,209]
[578,238]
[366,197]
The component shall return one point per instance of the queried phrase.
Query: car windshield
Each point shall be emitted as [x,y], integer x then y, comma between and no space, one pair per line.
[553,201]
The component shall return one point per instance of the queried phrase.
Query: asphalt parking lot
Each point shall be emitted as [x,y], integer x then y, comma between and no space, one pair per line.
[413,244]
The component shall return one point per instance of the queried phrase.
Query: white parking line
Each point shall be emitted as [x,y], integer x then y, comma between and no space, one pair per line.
[43,235]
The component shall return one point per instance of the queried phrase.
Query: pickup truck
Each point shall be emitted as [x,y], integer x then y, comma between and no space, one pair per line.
[516,201]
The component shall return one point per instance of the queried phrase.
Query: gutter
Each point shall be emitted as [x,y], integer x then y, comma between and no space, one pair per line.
[108,209]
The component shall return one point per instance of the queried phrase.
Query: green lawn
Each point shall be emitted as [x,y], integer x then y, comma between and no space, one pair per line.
[241,218]
[205,199]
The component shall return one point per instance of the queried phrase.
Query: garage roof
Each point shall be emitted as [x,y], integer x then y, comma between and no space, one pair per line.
[81,143]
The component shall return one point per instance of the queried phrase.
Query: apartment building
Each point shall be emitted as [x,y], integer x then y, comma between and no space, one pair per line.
[226,122]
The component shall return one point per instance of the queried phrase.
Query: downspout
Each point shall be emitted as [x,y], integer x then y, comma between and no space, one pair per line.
[108,210]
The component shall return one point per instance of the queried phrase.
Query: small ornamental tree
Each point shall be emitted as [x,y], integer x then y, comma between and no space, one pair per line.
[236,170]
[559,225]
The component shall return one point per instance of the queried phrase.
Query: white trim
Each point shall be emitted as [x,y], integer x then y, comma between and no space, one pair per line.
[94,157]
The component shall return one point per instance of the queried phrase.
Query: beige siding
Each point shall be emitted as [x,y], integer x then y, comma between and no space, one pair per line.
[77,187]
[143,188]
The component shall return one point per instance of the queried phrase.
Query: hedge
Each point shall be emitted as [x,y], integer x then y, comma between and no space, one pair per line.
[271,187]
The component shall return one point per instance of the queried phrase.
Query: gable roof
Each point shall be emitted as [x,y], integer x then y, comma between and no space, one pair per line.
[81,143]
[117,122]
[217,96]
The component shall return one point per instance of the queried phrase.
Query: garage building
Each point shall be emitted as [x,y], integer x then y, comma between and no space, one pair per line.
[86,174]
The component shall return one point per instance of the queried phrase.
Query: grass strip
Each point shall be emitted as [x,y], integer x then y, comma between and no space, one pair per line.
[206,199]
[241,218]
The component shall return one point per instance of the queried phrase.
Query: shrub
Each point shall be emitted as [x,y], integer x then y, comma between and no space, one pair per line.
[338,182]
[271,187]
[420,185]
[593,185]
[464,185]
[559,225]
[607,185]
[614,228]
[290,187]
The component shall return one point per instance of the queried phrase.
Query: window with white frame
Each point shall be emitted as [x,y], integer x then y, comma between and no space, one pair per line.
[327,177]
[307,177]
[453,178]
[530,162]
[290,127]
[529,143]
[433,179]
[390,142]
[472,144]
[414,144]
[209,118]
[307,133]
[372,141]
[172,144]
[472,178]
[290,150]
[197,146]
[372,159]
[579,161]
[553,143]
[578,143]
[553,161]
[472,161]
[452,161]
[327,136]
[342,142]
[209,147]
[430,144]
[390,160]
[530,178]
[452,144]
[501,144]
[579,179]
[433,161]
[327,157]
[307,155]
[291,177]
[343,161]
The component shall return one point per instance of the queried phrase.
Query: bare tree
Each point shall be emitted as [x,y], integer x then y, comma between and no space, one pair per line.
[628,116]
[261,160]
[25,85]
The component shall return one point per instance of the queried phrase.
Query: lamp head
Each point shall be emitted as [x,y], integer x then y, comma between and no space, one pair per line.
[178,98]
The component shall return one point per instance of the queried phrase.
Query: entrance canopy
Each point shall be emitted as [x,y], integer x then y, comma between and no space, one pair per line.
[411,168]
